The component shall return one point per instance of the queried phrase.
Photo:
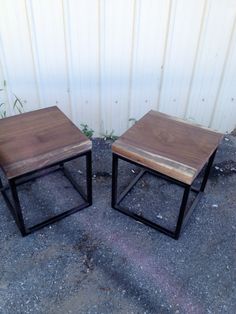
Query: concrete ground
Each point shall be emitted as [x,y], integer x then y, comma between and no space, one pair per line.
[100,261]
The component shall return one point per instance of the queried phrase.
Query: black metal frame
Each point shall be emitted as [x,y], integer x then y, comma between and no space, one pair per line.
[15,206]
[184,212]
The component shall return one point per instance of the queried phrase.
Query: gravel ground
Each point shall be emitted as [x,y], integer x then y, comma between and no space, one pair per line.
[100,261]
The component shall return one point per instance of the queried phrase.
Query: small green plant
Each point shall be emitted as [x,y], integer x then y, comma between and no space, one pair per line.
[110,136]
[3,112]
[17,104]
[86,130]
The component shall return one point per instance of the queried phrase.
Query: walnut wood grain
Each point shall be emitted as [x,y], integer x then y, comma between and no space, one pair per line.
[36,139]
[169,145]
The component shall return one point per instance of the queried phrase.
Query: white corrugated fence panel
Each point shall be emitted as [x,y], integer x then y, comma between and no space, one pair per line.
[104,62]
[182,45]
[82,42]
[117,23]
[224,116]
[151,28]
[214,42]
[48,34]
[16,54]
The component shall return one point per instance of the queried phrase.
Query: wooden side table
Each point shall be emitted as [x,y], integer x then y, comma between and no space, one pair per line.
[170,148]
[34,141]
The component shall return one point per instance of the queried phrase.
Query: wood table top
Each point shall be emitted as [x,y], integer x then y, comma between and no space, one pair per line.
[169,145]
[33,140]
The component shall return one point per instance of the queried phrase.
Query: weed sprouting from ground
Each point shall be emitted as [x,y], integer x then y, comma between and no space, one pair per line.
[86,130]
[110,136]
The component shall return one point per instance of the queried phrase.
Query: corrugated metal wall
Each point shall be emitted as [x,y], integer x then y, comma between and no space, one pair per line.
[106,61]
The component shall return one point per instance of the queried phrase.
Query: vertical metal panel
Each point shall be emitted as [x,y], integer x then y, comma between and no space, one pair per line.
[211,55]
[47,17]
[180,55]
[224,115]
[82,29]
[4,109]
[117,18]
[151,28]
[103,62]
[16,54]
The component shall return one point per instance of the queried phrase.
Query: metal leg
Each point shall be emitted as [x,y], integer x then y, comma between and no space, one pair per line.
[207,172]
[188,211]
[89,177]
[14,204]
[184,211]
[116,200]
[74,183]
[1,185]
[17,208]
[114,180]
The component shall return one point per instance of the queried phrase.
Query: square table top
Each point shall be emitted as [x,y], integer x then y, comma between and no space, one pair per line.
[33,140]
[169,145]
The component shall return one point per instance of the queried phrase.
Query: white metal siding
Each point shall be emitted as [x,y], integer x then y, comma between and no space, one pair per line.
[106,61]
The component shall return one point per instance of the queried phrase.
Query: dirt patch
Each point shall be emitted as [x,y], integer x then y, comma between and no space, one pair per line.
[87,247]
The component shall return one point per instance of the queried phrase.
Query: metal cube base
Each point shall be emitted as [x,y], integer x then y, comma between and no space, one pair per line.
[184,212]
[15,206]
